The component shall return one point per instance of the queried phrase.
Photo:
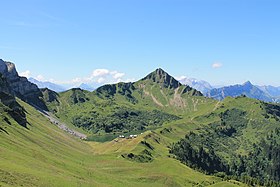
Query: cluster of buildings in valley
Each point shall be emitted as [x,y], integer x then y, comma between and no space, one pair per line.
[128,137]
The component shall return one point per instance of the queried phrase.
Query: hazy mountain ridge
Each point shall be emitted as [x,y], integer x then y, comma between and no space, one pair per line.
[273,91]
[200,85]
[247,89]
[87,87]
[60,88]
[265,93]
[46,84]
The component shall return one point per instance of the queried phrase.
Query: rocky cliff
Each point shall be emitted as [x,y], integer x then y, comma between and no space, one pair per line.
[19,86]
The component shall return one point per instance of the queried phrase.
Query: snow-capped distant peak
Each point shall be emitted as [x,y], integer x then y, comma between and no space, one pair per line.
[199,85]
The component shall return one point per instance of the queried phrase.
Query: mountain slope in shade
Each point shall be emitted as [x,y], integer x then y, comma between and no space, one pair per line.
[49,85]
[237,90]
[199,85]
[9,105]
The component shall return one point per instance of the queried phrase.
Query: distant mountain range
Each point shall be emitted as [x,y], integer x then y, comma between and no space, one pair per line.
[49,85]
[247,89]
[271,90]
[57,87]
[200,85]
[87,87]
[263,93]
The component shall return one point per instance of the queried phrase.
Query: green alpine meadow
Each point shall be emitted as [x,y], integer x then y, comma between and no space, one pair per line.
[152,132]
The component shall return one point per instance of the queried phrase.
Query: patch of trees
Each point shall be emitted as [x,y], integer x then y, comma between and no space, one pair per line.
[198,157]
[262,165]
[122,120]
[213,151]
[124,89]
[272,109]
[78,96]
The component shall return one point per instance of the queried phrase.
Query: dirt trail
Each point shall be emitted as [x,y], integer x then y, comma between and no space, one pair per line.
[217,105]
[63,126]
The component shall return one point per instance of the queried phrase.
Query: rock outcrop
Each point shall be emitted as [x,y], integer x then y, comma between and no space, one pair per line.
[19,86]
[159,76]
[11,106]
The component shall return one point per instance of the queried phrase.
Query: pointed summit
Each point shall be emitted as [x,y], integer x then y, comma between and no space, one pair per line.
[161,77]
[247,85]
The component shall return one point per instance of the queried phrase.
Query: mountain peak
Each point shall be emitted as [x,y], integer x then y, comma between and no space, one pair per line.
[159,70]
[248,85]
[161,77]
[197,84]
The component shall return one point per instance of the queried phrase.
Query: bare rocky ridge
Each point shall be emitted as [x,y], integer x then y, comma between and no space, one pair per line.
[164,79]
[19,86]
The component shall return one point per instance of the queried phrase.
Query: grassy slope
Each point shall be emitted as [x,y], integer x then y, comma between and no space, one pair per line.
[43,155]
[258,125]
[256,121]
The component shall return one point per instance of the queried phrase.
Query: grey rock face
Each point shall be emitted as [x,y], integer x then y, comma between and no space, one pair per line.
[20,86]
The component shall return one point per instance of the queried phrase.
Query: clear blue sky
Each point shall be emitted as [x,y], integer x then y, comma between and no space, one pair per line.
[67,39]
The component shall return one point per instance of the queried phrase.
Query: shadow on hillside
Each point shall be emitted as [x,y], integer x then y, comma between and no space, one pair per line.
[3,130]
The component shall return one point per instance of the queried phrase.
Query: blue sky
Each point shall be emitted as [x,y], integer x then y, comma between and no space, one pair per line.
[112,40]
